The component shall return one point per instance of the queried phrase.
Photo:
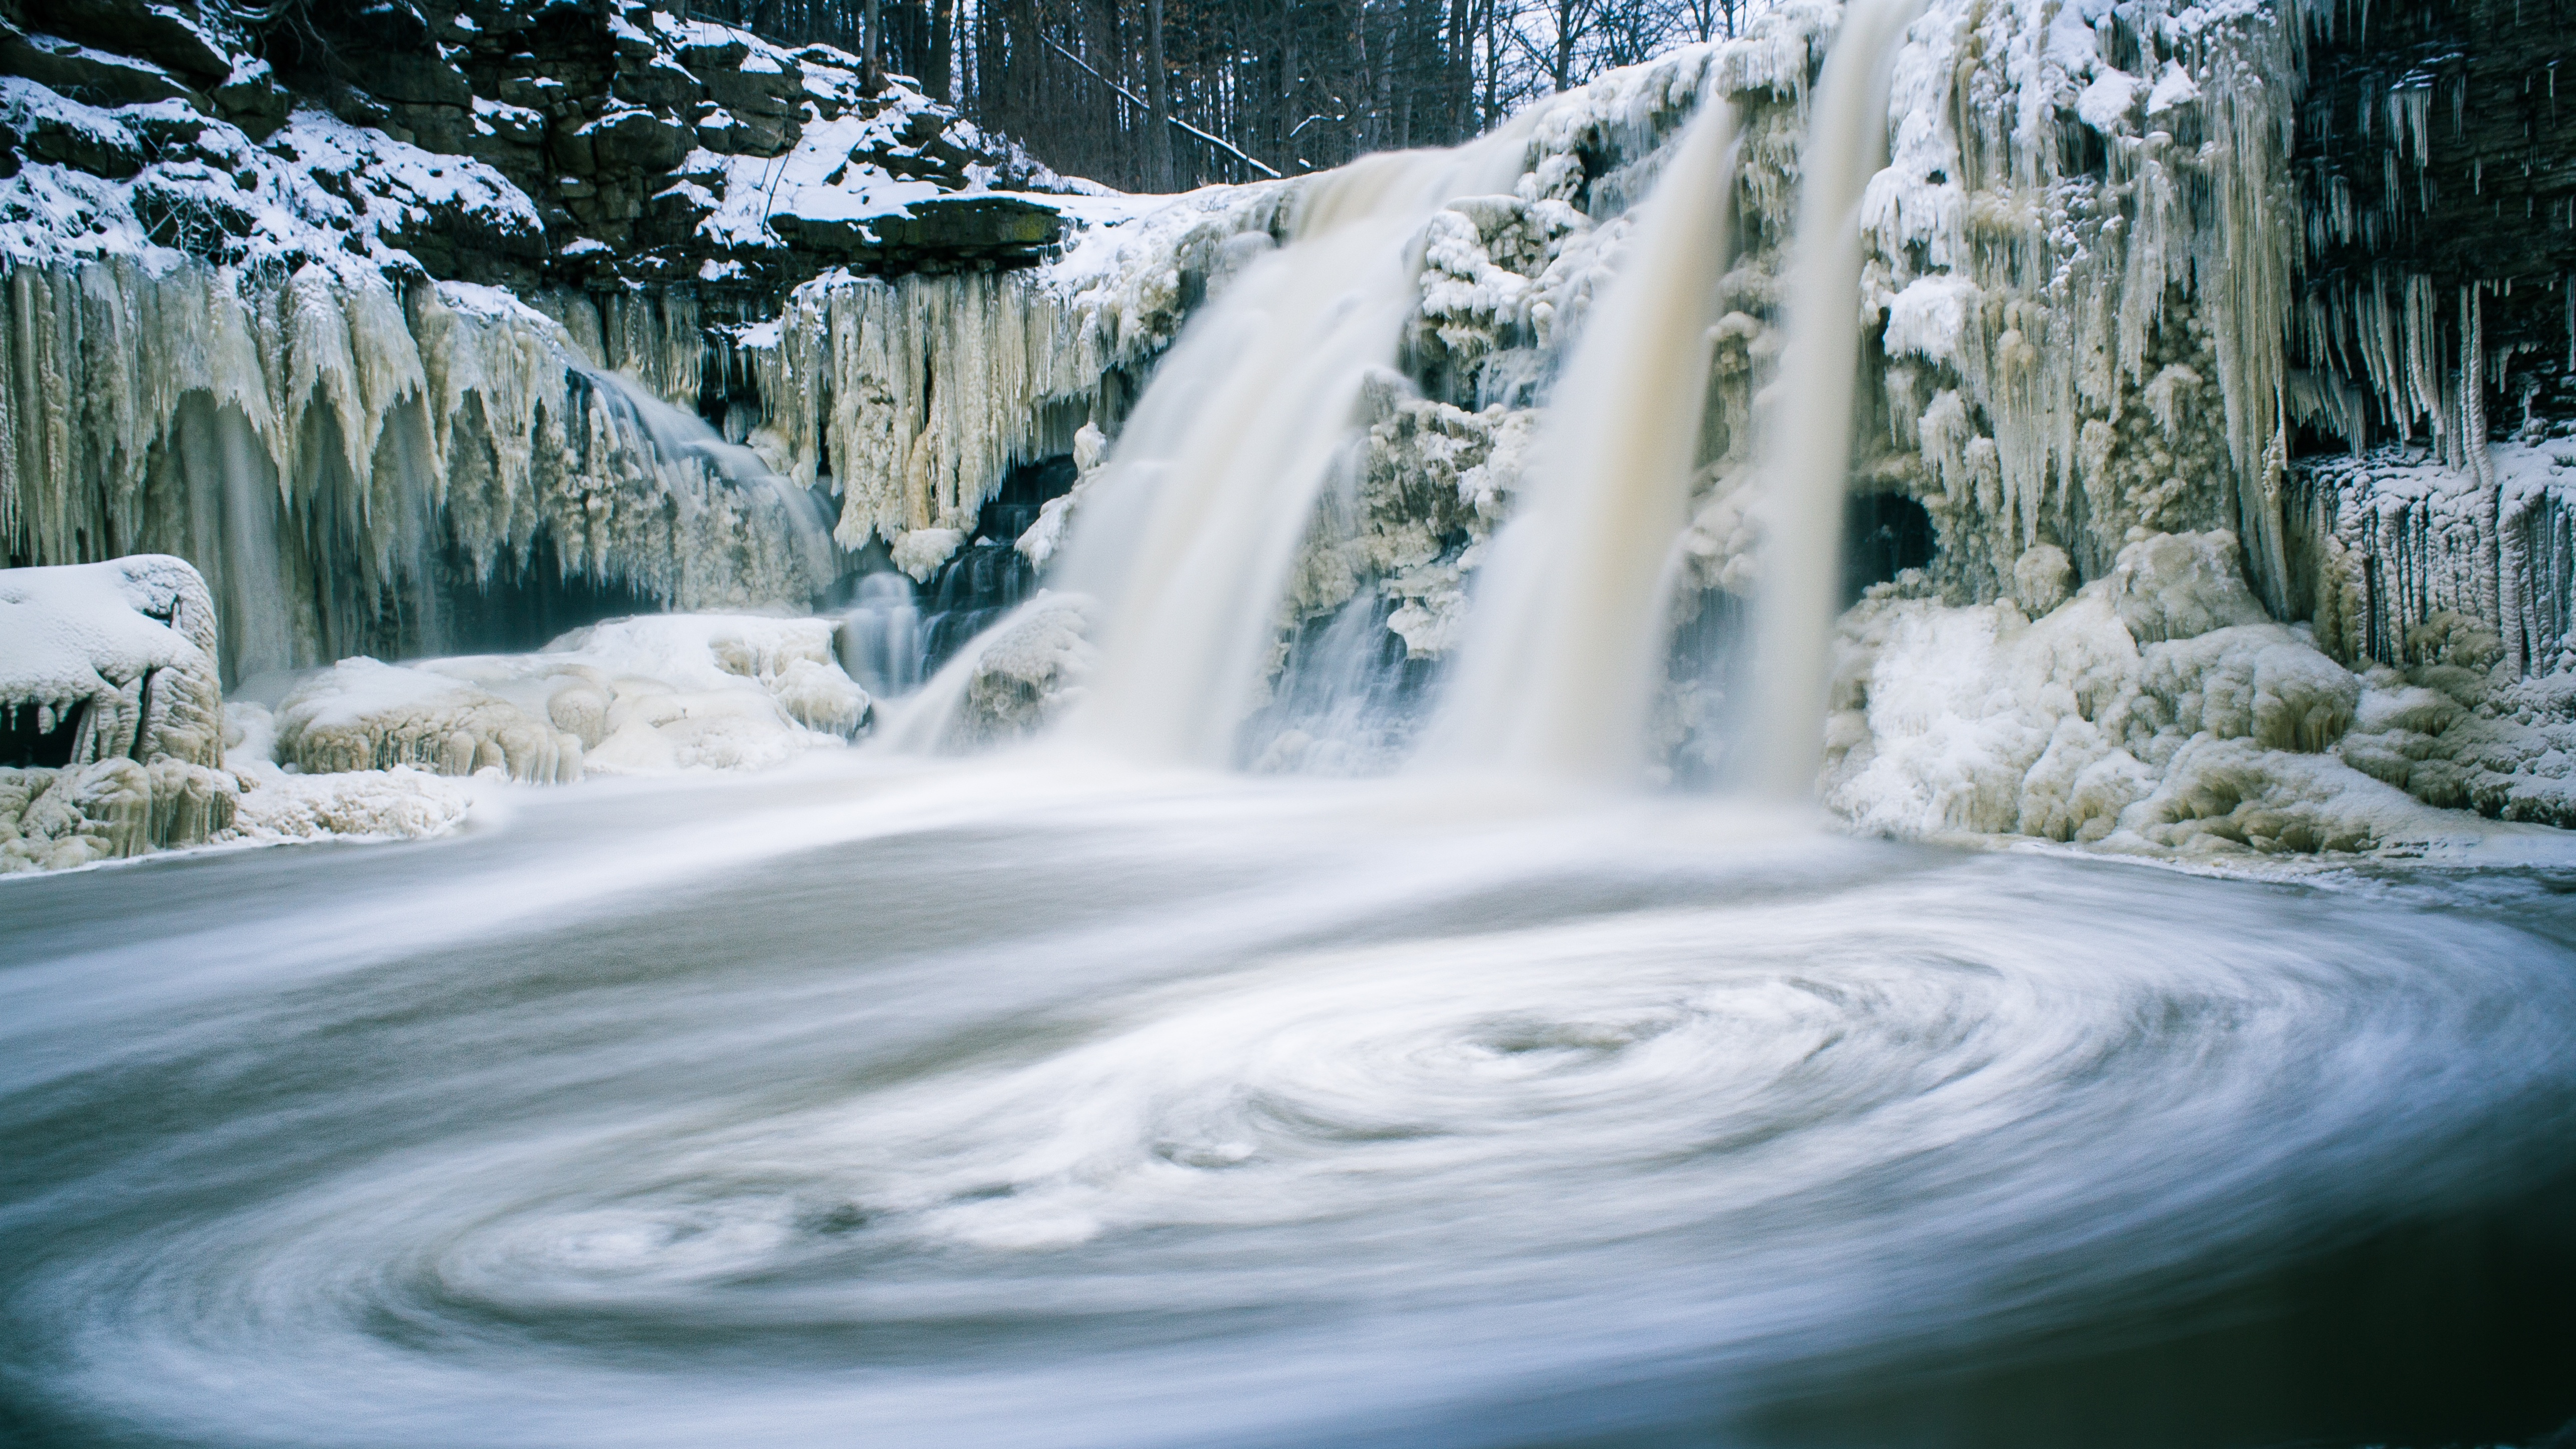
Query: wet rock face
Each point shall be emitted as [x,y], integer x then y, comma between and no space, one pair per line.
[2437,162]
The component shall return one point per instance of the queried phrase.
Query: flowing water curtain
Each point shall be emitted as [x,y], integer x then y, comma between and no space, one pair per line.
[1568,628]
[1808,435]
[1219,470]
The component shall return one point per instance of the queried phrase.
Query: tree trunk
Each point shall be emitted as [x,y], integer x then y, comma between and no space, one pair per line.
[1158,102]
[943,36]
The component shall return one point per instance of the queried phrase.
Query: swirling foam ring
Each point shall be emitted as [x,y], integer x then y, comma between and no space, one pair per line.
[1792,1081]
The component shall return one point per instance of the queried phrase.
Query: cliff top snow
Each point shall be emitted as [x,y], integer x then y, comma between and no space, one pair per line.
[499,150]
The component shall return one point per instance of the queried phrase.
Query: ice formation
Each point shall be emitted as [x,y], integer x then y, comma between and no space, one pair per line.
[631,696]
[317,440]
[222,344]
[112,712]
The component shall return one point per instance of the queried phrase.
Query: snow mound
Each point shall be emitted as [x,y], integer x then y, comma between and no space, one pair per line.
[121,653]
[646,695]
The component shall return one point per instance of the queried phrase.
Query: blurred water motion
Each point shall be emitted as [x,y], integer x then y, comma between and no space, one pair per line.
[1018,1103]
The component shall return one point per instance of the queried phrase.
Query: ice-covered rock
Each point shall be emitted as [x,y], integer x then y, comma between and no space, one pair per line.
[1030,674]
[110,712]
[120,655]
[2158,707]
[1025,673]
[644,695]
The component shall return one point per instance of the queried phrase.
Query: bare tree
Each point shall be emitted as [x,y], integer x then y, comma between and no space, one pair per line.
[1164,94]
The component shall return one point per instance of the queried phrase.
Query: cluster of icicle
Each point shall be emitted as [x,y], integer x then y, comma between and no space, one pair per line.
[316,442]
[2084,246]
[915,396]
[2405,550]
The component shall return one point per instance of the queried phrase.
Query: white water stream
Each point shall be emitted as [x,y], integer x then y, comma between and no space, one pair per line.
[1568,637]
[1807,422]
[1215,478]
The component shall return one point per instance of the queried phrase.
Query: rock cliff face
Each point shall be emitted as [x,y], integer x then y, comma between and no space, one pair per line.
[2437,164]
[386,308]
[637,138]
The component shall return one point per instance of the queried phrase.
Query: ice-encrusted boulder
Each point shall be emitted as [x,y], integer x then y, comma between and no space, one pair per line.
[630,696]
[112,712]
[121,654]
[1011,681]
[1031,673]
[2158,708]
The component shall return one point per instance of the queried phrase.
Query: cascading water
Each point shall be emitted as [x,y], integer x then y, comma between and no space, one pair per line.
[1808,423]
[1215,481]
[880,640]
[1568,628]
[1343,700]
[1212,484]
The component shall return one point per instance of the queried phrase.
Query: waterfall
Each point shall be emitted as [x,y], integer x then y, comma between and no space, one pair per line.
[1560,667]
[1808,427]
[1202,506]
[880,637]
[1181,553]
[233,504]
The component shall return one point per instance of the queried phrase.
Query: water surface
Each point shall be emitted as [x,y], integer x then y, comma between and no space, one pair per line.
[1019,1103]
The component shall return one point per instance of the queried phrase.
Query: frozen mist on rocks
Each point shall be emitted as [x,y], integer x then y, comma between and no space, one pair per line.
[2160,1035]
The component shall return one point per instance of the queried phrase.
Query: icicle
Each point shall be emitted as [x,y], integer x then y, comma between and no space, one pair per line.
[310,442]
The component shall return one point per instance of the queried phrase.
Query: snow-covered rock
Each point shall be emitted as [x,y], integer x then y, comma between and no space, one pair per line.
[112,712]
[119,654]
[645,695]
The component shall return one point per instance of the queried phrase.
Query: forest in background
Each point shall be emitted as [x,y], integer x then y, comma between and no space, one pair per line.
[1160,95]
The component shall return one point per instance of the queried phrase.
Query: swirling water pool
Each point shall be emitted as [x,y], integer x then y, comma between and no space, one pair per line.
[1019,1104]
